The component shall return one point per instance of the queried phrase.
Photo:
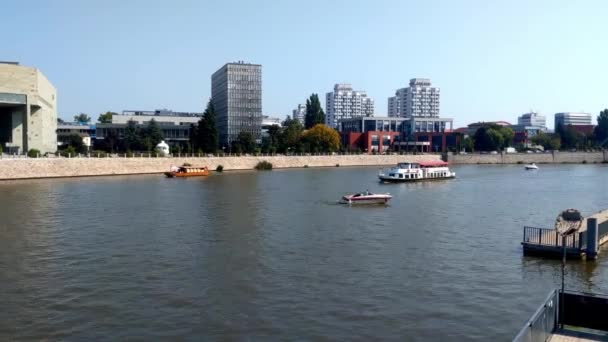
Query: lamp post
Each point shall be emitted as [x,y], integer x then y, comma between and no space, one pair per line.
[568,222]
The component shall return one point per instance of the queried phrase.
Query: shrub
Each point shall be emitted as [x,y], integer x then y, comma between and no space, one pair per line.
[306,166]
[186,164]
[264,165]
[219,168]
[69,151]
[337,165]
[520,162]
[33,153]
[584,162]
[100,154]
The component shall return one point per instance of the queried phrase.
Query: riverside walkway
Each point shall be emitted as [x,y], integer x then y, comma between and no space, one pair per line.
[583,244]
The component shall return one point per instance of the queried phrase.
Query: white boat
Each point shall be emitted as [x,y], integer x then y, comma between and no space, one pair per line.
[531,167]
[366,198]
[412,172]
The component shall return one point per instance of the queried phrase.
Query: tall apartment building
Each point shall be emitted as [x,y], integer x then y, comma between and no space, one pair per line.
[574,119]
[236,92]
[420,99]
[299,113]
[345,103]
[532,119]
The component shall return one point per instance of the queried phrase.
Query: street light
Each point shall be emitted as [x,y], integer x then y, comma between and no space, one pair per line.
[567,223]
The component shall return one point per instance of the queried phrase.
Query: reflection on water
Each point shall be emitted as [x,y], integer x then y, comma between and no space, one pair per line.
[270,254]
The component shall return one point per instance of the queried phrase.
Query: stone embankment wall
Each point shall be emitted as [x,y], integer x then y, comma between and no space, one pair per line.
[80,167]
[526,158]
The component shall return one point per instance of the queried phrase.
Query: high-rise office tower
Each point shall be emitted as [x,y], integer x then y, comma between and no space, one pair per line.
[236,92]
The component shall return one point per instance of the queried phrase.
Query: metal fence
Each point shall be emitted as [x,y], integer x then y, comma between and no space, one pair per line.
[193,155]
[550,237]
[542,324]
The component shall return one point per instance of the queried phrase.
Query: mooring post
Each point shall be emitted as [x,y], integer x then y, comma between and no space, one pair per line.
[592,238]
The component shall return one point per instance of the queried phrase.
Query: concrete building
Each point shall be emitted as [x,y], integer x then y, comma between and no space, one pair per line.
[574,119]
[28,110]
[299,113]
[532,119]
[345,103]
[162,116]
[420,99]
[174,125]
[65,130]
[236,92]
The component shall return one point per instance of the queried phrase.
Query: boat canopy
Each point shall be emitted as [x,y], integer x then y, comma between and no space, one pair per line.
[433,164]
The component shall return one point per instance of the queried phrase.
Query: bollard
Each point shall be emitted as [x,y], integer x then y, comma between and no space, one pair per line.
[592,238]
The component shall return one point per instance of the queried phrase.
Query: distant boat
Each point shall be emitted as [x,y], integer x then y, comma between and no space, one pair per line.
[187,171]
[366,198]
[531,167]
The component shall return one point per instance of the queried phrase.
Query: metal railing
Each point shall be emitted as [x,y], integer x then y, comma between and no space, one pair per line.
[99,154]
[550,237]
[543,323]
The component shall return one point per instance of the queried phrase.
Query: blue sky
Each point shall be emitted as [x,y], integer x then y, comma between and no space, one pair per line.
[493,60]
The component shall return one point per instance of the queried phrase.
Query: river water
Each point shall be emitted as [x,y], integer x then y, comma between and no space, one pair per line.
[271,256]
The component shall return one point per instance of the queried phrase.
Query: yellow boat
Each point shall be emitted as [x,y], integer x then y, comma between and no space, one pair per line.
[187,171]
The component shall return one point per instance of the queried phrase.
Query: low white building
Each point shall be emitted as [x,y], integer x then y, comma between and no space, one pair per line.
[532,119]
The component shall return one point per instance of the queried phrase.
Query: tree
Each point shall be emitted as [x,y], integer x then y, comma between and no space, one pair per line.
[60,121]
[152,135]
[82,118]
[132,136]
[322,138]
[601,130]
[467,144]
[547,141]
[492,137]
[111,140]
[106,117]
[76,142]
[290,136]
[569,137]
[314,112]
[208,131]
[270,143]
[507,135]
[244,143]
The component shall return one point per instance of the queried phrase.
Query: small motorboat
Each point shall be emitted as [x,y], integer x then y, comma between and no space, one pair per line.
[366,198]
[531,167]
[187,171]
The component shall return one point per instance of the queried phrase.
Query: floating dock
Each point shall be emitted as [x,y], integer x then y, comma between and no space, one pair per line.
[584,244]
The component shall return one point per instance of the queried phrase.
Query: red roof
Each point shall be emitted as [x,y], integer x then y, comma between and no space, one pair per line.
[433,163]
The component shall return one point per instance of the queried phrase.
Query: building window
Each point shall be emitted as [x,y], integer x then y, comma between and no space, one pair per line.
[374,140]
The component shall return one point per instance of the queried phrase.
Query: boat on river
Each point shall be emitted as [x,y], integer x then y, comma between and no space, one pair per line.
[413,172]
[187,171]
[531,167]
[366,198]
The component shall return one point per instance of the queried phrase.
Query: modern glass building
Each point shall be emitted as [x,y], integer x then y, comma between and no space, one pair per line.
[574,119]
[236,92]
[379,134]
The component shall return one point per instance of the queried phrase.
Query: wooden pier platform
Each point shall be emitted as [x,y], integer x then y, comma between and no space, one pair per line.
[583,244]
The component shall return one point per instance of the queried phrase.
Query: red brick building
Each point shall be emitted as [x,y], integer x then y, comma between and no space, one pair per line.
[382,134]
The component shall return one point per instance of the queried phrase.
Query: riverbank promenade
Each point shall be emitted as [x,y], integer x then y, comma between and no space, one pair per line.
[24,168]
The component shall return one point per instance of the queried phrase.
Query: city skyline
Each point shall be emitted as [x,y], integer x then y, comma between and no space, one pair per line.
[492,61]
